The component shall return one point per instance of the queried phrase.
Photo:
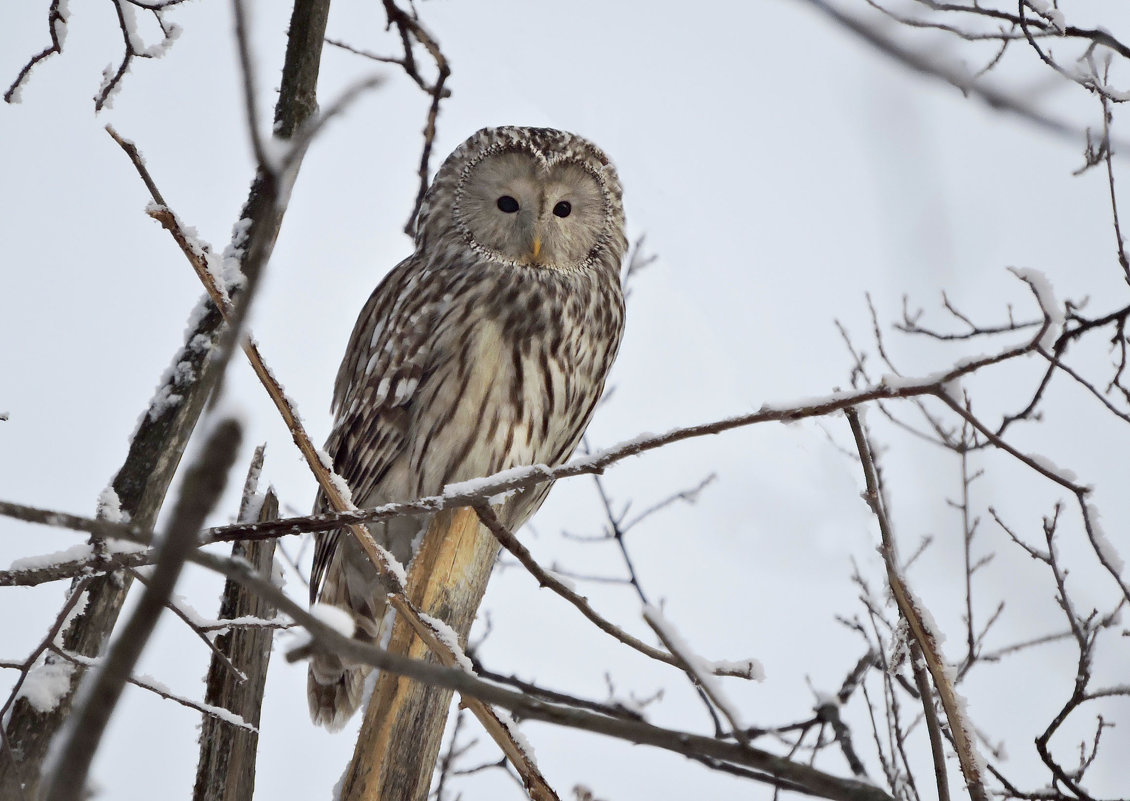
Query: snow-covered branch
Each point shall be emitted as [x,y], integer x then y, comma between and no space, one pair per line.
[798,776]
[921,627]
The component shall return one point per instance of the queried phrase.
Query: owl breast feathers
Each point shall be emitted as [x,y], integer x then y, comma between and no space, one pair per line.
[487,348]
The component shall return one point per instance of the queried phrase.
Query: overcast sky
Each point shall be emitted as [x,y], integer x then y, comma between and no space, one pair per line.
[780,170]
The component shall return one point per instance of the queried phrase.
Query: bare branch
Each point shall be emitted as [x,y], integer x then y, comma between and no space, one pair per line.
[203,483]
[924,636]
[56,27]
[932,726]
[696,670]
[919,61]
[153,687]
[412,32]
[247,72]
[546,579]
[800,777]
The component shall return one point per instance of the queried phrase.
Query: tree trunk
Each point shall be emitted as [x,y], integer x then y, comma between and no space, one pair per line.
[400,738]
[156,449]
[226,771]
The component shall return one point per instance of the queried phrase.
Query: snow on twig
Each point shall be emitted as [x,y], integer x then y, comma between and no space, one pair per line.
[700,670]
[922,629]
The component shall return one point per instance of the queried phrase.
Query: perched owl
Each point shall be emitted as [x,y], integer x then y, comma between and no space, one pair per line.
[485,349]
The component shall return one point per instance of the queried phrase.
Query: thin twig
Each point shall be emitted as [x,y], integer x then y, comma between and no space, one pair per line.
[546,579]
[56,24]
[932,727]
[920,630]
[247,71]
[801,777]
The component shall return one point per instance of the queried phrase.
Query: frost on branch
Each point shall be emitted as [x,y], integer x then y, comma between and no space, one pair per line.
[1049,304]
[446,635]
[701,669]
[47,683]
[110,507]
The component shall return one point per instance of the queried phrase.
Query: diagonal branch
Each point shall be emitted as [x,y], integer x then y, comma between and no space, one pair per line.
[383,561]
[800,777]
[546,579]
[57,26]
[920,629]
[156,448]
[477,491]
[203,485]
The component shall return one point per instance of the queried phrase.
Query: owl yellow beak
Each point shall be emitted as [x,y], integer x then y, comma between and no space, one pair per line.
[537,248]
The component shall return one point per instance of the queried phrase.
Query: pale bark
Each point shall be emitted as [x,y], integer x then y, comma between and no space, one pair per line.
[400,738]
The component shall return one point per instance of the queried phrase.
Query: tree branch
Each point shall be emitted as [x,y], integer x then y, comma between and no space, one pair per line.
[802,777]
[165,428]
[203,483]
[922,632]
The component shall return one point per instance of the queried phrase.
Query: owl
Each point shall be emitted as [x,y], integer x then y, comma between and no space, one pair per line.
[487,348]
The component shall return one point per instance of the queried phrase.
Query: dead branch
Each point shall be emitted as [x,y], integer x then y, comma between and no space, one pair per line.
[956,75]
[937,385]
[924,636]
[56,26]
[411,32]
[226,768]
[165,427]
[799,776]
[203,483]
[152,687]
[546,579]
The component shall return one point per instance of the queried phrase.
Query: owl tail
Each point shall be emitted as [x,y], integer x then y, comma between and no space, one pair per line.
[334,688]
[334,691]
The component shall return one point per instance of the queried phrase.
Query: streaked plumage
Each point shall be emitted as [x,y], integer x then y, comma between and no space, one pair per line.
[487,348]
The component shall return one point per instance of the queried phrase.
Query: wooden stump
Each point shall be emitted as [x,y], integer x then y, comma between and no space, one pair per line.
[401,735]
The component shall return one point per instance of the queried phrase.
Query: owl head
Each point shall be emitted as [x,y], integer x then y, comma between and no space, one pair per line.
[527,197]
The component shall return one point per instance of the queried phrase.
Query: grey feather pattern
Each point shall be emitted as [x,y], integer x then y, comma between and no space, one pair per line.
[486,349]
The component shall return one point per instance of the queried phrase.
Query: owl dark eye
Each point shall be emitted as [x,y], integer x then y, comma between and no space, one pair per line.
[563,208]
[508,204]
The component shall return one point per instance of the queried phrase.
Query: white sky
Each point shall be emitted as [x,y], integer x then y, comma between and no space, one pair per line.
[780,170]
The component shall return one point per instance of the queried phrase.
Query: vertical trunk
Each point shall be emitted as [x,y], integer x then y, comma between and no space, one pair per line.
[141,485]
[156,449]
[400,738]
[226,771]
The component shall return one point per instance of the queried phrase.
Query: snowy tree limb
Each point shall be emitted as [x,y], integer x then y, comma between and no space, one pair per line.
[147,685]
[922,631]
[56,27]
[157,446]
[479,490]
[203,483]
[798,776]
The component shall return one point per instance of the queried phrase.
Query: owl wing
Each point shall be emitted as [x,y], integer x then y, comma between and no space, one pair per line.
[386,358]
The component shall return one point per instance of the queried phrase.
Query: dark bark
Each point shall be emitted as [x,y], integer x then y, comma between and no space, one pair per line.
[156,449]
[203,484]
[226,771]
